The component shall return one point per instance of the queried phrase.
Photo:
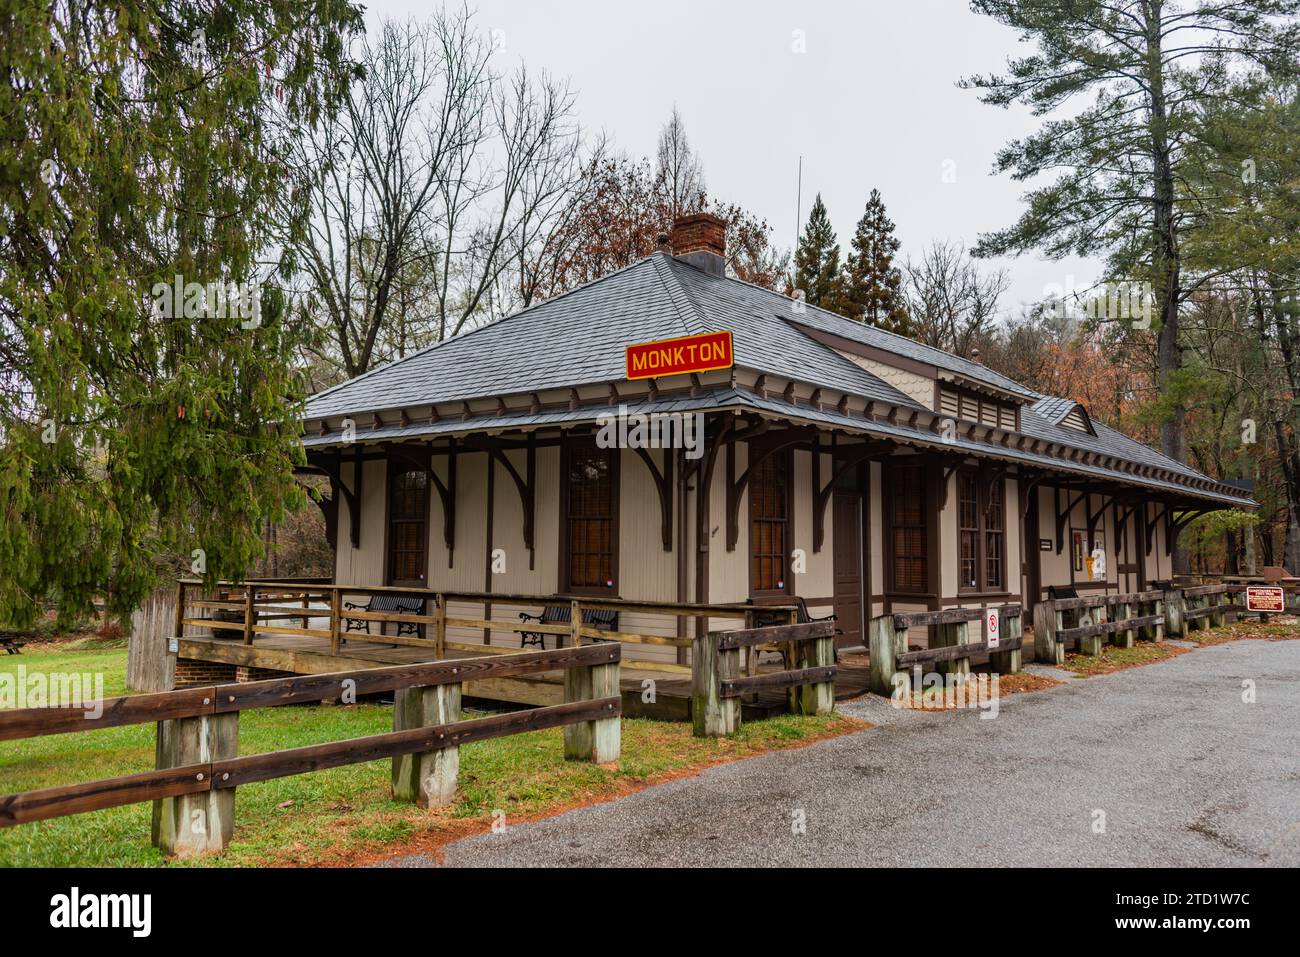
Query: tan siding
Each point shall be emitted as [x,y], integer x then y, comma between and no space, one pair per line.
[876,529]
[818,579]
[364,565]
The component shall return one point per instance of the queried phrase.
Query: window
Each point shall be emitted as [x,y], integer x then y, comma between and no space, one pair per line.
[408,517]
[981,551]
[769,523]
[968,524]
[590,514]
[994,539]
[909,528]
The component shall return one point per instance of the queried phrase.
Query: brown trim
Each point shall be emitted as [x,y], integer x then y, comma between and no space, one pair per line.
[976,597]
[616,494]
[489,531]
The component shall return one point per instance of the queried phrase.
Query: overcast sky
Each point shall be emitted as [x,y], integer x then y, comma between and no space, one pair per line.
[871,103]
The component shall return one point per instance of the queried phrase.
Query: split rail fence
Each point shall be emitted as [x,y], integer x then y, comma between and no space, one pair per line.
[198,766]
[950,648]
[718,685]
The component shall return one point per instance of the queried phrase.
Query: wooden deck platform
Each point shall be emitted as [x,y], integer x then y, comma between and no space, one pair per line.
[306,655]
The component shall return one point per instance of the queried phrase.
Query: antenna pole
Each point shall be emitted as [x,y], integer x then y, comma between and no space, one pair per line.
[798,203]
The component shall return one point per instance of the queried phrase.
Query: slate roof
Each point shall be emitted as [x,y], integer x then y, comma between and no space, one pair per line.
[1053,408]
[578,338]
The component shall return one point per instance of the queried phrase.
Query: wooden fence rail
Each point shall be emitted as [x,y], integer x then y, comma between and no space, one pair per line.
[1089,621]
[198,766]
[717,685]
[950,648]
[244,611]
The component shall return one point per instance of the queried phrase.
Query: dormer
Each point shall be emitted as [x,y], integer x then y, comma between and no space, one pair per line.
[1066,413]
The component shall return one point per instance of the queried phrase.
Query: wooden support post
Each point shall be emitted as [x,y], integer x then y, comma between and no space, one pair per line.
[178,627]
[336,619]
[1150,632]
[203,823]
[790,655]
[711,714]
[1175,606]
[440,627]
[816,698]
[1219,618]
[1125,637]
[947,635]
[1091,644]
[886,645]
[429,778]
[751,653]
[575,623]
[1047,650]
[1008,662]
[250,613]
[597,741]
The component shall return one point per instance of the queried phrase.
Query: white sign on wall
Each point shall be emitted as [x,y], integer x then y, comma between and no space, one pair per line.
[992,626]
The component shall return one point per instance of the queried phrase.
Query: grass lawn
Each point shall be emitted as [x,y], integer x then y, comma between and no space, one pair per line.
[340,815]
[1148,652]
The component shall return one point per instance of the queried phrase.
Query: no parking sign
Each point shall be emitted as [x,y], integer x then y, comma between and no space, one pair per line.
[992,626]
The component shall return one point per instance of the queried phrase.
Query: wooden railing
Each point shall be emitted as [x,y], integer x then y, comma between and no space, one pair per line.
[1089,621]
[198,765]
[247,610]
[950,648]
[718,686]
[1205,606]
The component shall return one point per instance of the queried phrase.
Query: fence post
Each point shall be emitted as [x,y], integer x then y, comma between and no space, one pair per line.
[1091,644]
[336,607]
[192,824]
[947,635]
[816,698]
[598,741]
[791,655]
[427,778]
[575,624]
[711,714]
[1047,650]
[1219,618]
[1125,637]
[1008,662]
[885,644]
[250,613]
[1175,606]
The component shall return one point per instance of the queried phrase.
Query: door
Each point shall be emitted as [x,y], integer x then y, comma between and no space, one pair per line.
[848,567]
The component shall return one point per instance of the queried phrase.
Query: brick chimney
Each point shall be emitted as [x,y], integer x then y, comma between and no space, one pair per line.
[701,240]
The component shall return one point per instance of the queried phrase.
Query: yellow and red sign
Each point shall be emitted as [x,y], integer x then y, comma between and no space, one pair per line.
[677,356]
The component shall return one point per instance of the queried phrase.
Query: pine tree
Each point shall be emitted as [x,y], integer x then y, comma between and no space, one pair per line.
[817,261]
[872,283]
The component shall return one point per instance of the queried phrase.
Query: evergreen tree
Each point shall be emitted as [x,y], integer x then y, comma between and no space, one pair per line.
[817,261]
[872,283]
[140,143]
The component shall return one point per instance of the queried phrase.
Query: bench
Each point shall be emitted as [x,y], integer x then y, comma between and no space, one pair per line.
[801,617]
[12,642]
[397,604]
[604,618]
